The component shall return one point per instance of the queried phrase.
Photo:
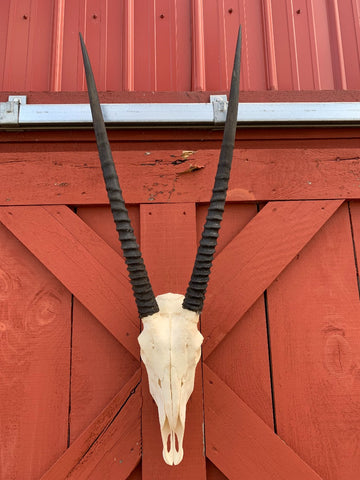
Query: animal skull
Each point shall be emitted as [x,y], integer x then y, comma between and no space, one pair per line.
[170,347]
[170,342]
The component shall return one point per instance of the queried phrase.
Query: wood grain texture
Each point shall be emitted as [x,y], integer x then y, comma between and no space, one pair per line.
[153,172]
[253,260]
[100,364]
[241,360]
[240,444]
[110,447]
[35,329]
[314,329]
[168,243]
[83,262]
[100,367]
[170,231]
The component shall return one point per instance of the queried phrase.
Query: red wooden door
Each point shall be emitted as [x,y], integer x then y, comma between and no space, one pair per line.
[278,385]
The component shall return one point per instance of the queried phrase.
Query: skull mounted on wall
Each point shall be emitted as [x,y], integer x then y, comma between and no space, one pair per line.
[170,343]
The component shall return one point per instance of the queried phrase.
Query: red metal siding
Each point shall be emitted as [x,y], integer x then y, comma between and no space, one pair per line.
[164,45]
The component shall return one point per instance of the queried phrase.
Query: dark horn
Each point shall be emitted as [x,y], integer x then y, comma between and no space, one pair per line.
[144,296]
[195,294]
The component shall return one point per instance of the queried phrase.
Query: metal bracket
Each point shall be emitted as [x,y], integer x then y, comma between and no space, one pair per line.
[220,105]
[9,111]
[20,99]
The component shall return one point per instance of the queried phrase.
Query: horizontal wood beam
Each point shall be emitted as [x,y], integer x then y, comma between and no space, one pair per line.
[183,171]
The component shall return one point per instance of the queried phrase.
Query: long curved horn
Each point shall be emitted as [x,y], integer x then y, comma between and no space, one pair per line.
[195,294]
[144,296]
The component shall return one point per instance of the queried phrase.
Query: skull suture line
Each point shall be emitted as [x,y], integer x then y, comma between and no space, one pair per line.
[170,342]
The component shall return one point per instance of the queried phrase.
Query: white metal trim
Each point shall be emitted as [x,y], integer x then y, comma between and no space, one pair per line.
[118,113]
[22,115]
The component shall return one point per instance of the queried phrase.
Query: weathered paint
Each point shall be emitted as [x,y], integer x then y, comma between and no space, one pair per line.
[82,354]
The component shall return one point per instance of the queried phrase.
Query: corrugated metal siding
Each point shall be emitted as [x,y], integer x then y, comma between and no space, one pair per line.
[173,45]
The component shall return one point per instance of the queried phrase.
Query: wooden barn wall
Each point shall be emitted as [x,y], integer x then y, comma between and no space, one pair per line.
[282,356]
[187,45]
[281,360]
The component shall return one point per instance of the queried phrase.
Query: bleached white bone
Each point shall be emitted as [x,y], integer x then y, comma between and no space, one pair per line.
[170,347]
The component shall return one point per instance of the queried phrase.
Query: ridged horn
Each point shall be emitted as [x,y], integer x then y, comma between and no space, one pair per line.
[144,296]
[195,294]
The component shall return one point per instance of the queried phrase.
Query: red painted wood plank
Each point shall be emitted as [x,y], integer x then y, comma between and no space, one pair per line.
[155,173]
[168,241]
[82,262]
[262,250]
[100,367]
[240,444]
[314,310]
[241,360]
[115,433]
[35,330]
[100,364]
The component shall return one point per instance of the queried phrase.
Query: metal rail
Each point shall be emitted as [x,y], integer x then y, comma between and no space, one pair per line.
[17,114]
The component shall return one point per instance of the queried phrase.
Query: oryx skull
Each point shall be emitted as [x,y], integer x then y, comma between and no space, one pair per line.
[170,343]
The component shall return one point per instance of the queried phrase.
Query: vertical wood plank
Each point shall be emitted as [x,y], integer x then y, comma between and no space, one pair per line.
[241,360]
[100,364]
[168,242]
[100,367]
[35,325]
[118,425]
[315,348]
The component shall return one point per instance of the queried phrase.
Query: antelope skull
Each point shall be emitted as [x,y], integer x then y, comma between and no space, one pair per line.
[170,343]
